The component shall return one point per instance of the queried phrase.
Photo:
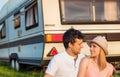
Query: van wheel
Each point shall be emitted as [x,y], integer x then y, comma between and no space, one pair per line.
[15,64]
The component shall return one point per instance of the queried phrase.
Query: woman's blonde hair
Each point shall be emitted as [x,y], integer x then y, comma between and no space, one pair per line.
[102,60]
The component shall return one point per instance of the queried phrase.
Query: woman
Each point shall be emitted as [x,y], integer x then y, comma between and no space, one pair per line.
[96,65]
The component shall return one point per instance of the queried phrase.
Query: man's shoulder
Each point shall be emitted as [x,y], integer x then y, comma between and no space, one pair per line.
[59,55]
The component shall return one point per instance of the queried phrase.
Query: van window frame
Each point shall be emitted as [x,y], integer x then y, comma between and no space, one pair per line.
[75,12]
[17,20]
[3,30]
[34,9]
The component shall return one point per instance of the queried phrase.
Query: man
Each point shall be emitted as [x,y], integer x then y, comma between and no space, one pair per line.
[66,64]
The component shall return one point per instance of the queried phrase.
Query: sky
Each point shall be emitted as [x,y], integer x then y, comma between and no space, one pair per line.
[2,2]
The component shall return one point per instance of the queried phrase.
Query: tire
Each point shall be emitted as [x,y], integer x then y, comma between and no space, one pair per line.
[15,64]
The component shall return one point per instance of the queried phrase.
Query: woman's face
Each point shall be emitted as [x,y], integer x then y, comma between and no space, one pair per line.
[94,50]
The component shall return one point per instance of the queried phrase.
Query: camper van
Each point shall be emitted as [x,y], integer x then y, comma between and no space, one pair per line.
[31,30]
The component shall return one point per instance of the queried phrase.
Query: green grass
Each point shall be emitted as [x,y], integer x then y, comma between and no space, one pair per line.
[117,74]
[6,71]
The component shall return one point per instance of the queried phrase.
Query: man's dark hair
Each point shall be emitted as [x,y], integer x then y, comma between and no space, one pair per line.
[70,35]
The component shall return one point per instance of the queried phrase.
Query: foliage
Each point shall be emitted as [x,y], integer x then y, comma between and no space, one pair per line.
[6,71]
[117,74]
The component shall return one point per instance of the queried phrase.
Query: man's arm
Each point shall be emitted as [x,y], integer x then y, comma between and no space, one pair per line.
[52,67]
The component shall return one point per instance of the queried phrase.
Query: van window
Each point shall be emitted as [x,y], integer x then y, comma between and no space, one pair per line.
[17,20]
[90,11]
[2,30]
[31,16]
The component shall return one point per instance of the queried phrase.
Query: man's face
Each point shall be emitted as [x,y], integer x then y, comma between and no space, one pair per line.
[76,47]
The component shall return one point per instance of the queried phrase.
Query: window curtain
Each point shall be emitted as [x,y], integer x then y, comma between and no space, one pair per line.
[110,10]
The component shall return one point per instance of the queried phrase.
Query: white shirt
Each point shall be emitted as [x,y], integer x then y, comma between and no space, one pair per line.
[64,65]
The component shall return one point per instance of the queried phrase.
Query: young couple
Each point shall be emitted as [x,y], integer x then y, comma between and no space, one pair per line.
[73,64]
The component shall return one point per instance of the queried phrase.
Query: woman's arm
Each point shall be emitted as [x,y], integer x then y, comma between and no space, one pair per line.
[48,75]
[111,70]
[83,67]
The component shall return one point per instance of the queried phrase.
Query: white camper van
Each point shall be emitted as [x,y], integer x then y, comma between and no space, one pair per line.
[31,30]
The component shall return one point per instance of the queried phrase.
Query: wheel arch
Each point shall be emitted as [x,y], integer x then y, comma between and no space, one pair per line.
[14,56]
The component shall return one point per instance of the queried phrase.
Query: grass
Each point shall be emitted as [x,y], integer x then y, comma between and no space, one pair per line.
[6,71]
[117,74]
